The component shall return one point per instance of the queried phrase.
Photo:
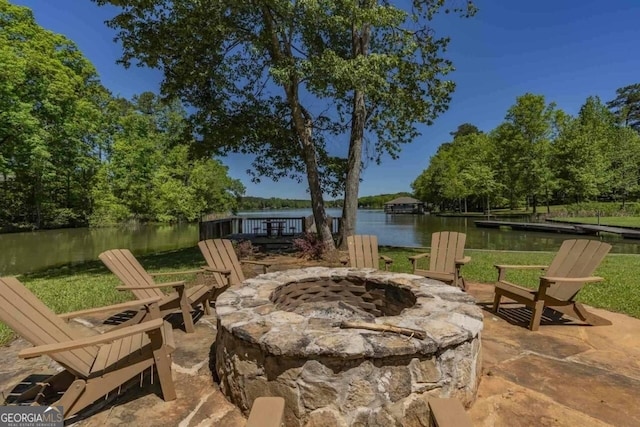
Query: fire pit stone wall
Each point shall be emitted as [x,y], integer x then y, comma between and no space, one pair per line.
[280,335]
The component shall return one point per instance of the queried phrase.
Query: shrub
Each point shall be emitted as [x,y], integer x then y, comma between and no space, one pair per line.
[309,246]
[245,249]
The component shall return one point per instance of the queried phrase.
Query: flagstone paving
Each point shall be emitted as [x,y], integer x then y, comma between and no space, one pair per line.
[563,375]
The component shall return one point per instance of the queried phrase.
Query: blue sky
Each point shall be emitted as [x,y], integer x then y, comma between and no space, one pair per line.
[565,50]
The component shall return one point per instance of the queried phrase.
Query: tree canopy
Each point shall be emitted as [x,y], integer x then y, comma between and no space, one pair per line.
[71,153]
[538,154]
[626,105]
[286,80]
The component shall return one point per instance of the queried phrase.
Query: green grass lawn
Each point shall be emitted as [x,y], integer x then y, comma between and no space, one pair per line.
[614,221]
[92,285]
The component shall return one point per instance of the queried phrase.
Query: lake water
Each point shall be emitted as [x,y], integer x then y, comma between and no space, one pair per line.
[24,252]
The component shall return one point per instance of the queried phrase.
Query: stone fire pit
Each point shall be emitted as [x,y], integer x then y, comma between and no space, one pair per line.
[280,334]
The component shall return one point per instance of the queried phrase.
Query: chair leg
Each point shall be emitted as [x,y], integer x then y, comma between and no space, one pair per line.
[538,309]
[163,365]
[496,301]
[71,396]
[578,310]
[185,307]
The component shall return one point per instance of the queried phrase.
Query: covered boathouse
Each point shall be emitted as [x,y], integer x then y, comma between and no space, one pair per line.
[405,205]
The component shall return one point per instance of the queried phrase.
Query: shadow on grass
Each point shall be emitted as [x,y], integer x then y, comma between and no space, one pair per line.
[170,260]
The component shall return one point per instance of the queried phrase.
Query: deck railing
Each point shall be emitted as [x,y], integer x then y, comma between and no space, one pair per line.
[266,226]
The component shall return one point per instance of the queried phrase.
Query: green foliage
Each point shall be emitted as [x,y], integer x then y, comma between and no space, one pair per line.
[378,201]
[459,170]
[49,99]
[70,154]
[538,155]
[281,79]
[626,106]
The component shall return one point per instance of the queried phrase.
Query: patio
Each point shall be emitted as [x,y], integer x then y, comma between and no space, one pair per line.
[563,375]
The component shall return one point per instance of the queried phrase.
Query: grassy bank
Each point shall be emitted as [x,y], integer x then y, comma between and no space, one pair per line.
[614,221]
[92,285]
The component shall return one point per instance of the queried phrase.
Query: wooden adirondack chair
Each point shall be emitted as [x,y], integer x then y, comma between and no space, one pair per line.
[569,271]
[223,263]
[123,264]
[445,260]
[363,252]
[93,366]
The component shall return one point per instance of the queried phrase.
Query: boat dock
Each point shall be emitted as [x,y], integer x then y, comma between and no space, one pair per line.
[533,226]
[626,233]
[584,229]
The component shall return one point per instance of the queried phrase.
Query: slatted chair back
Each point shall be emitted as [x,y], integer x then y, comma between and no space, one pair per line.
[23,312]
[126,267]
[220,255]
[363,251]
[446,248]
[575,258]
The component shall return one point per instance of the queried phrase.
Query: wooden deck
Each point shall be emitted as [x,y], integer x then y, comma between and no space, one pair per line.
[269,234]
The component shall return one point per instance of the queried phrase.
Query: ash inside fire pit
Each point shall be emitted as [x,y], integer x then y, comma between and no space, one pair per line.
[355,298]
[280,334]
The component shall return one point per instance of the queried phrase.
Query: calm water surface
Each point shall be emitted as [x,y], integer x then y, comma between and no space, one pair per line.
[25,252]
[416,230]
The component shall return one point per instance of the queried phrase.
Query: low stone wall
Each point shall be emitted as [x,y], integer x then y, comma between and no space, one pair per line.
[331,376]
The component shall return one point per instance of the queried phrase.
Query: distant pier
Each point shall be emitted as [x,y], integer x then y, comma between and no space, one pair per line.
[584,229]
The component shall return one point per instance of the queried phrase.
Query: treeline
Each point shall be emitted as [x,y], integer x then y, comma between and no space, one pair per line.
[72,154]
[377,202]
[540,155]
[249,203]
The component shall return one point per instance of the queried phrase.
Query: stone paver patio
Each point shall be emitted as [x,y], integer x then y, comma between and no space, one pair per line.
[563,375]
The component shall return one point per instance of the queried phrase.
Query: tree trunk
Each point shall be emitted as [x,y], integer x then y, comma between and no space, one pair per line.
[360,45]
[303,125]
[304,128]
[352,182]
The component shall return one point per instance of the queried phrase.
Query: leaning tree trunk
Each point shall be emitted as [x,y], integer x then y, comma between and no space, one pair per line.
[303,125]
[304,129]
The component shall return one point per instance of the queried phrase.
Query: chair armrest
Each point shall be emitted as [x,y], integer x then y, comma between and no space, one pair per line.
[178,284]
[128,304]
[463,260]
[521,267]
[502,269]
[173,273]
[216,270]
[263,263]
[91,341]
[590,279]
[417,257]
